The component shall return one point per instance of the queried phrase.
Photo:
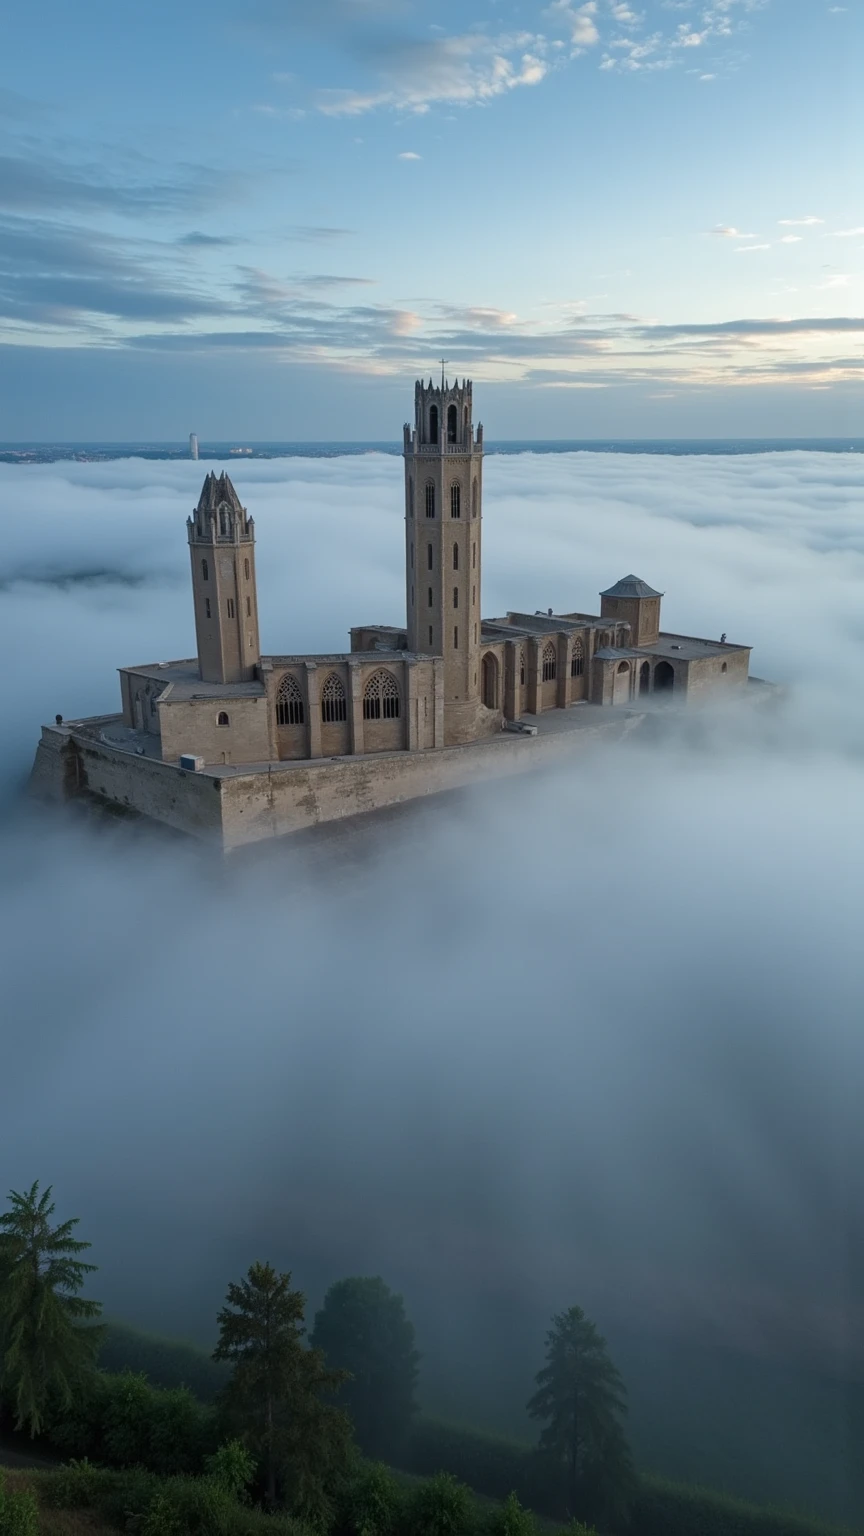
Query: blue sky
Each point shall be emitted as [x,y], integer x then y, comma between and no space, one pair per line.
[262,219]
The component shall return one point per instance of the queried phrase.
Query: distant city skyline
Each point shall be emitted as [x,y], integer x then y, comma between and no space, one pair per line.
[624,221]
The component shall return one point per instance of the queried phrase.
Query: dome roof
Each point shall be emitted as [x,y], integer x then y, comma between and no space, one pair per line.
[631,586]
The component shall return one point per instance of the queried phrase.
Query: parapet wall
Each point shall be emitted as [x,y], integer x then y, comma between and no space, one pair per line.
[247,807]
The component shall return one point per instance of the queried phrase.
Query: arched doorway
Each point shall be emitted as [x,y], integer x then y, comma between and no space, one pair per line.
[664,677]
[645,677]
[490,681]
[621,683]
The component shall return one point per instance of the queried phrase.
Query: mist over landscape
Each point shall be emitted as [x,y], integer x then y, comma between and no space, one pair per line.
[592,1036]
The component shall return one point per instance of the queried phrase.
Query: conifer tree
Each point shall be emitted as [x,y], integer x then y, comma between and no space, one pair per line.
[45,1349]
[276,1392]
[581,1398]
[362,1328]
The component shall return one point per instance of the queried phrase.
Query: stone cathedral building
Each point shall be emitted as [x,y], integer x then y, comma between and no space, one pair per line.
[416,694]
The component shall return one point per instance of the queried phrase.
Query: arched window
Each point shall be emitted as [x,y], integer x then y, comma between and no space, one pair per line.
[381,697]
[246,568]
[429,557]
[205,570]
[433,424]
[723,668]
[549,662]
[289,702]
[430,499]
[623,666]
[474,499]
[455,501]
[455,597]
[577,659]
[452,423]
[334,705]
[222,718]
[522,665]
[455,557]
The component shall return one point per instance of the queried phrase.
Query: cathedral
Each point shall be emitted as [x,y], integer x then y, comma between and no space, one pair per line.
[445,678]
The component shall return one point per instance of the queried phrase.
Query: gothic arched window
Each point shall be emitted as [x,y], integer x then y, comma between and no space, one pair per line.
[334,705]
[430,499]
[549,662]
[381,697]
[452,423]
[433,424]
[577,660]
[289,702]
[222,718]
[455,501]
[455,557]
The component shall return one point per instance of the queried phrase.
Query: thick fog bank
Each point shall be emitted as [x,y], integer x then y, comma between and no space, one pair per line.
[591,1037]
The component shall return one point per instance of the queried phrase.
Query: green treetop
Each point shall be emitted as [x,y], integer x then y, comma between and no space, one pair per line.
[44,1348]
[362,1328]
[276,1394]
[581,1398]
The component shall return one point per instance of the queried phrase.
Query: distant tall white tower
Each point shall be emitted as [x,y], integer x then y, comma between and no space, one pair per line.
[193,445]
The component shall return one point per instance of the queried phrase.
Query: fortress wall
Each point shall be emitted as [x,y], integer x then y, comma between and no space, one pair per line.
[70,762]
[705,676]
[260,806]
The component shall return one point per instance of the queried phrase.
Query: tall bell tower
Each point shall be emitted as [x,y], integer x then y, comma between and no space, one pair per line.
[443,521]
[222,549]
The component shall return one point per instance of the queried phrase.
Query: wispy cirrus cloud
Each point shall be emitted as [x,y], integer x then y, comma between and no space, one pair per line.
[463,70]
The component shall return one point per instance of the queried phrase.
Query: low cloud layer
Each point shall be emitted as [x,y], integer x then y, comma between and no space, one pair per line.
[606,1049]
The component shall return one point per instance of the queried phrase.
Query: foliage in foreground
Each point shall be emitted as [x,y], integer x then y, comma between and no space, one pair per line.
[45,1349]
[363,1329]
[276,1396]
[19,1512]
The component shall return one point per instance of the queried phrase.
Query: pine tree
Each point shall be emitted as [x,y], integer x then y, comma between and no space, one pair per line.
[581,1397]
[276,1392]
[362,1328]
[45,1352]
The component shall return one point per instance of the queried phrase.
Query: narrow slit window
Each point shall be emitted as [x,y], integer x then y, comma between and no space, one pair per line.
[248,607]
[430,499]
[246,568]
[455,501]
[207,607]
[205,570]
[230,602]
[455,637]
[455,597]
[455,557]
[429,599]
[429,557]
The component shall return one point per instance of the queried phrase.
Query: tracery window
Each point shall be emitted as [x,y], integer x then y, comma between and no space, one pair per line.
[381,697]
[549,662]
[455,501]
[430,499]
[577,660]
[289,702]
[334,705]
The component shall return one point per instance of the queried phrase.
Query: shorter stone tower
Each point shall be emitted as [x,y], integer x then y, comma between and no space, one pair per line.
[635,603]
[222,549]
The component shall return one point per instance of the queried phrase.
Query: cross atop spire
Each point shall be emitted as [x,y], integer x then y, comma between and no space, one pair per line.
[443,361]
